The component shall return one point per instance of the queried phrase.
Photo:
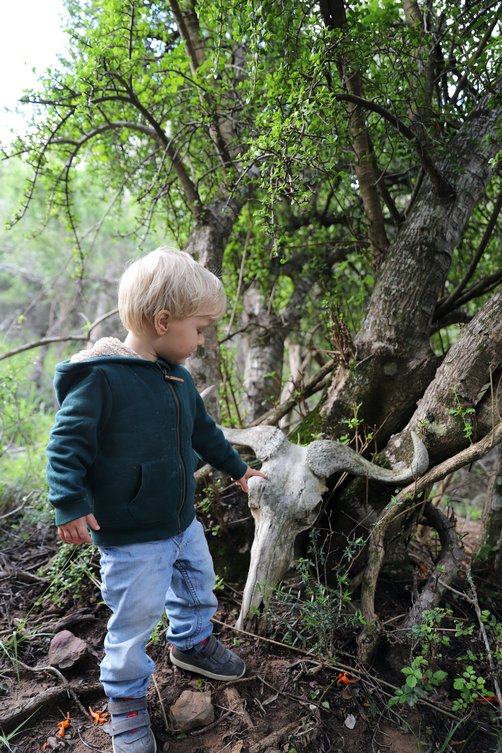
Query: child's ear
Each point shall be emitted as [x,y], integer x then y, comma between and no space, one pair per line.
[161,322]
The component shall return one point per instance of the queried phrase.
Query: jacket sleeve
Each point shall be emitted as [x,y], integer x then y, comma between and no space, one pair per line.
[209,442]
[73,445]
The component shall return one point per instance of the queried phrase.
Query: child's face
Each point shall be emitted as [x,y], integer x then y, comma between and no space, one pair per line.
[182,338]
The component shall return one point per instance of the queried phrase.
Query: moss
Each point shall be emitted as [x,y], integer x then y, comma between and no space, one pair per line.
[310,428]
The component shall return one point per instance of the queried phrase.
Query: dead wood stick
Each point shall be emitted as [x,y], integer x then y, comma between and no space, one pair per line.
[274,737]
[235,703]
[489,655]
[60,676]
[274,415]
[360,672]
[23,712]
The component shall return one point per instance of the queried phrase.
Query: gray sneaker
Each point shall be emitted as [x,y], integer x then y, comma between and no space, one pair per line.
[130,726]
[212,660]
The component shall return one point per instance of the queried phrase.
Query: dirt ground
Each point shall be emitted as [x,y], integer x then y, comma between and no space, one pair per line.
[286,703]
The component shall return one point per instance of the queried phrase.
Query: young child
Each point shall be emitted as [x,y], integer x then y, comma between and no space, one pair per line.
[122,455]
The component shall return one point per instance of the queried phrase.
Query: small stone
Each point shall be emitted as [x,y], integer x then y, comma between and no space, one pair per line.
[192,710]
[66,650]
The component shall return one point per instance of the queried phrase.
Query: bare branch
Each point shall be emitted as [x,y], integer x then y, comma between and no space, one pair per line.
[481,46]
[61,339]
[274,415]
[451,301]
[440,183]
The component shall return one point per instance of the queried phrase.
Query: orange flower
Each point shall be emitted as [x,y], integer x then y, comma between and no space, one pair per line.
[344,679]
[99,717]
[63,726]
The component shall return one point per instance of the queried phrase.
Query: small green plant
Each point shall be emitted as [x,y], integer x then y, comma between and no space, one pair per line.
[211,495]
[159,631]
[420,681]
[310,612]
[430,634]
[68,570]
[219,584]
[465,414]
[353,425]
[10,649]
[470,687]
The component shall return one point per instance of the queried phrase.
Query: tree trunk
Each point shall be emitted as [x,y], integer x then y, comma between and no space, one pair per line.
[394,362]
[207,243]
[262,353]
[447,414]
[491,535]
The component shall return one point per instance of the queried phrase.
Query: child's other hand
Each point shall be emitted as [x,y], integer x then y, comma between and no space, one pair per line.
[243,482]
[76,531]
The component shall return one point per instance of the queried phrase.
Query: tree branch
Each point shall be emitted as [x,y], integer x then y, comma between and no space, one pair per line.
[481,46]
[155,132]
[441,184]
[449,302]
[63,338]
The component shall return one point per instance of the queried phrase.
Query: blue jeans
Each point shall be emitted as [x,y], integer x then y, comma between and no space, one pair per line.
[139,581]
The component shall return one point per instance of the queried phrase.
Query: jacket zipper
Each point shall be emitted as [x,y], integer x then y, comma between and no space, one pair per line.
[169,379]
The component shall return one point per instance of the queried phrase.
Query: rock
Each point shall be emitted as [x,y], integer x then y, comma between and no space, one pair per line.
[66,650]
[192,710]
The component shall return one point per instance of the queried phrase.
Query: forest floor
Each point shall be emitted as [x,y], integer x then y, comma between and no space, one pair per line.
[288,701]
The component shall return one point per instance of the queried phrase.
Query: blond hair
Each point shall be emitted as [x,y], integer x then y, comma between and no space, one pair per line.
[170,280]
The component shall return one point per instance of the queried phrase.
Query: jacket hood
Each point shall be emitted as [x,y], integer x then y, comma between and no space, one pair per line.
[106,346]
[105,350]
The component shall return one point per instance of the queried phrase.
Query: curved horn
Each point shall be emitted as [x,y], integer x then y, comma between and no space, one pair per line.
[264,440]
[326,457]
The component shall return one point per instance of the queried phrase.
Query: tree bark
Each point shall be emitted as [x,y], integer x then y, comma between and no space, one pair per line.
[207,243]
[447,414]
[394,362]
[262,346]
[491,534]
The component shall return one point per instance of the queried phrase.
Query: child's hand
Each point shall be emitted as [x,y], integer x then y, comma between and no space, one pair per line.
[243,482]
[76,531]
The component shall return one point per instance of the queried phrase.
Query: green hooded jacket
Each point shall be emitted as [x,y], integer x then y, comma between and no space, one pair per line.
[125,444]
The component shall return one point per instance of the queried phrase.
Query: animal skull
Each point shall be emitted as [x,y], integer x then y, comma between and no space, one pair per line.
[289,499]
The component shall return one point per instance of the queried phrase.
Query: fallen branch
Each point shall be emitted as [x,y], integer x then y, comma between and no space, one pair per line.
[12,719]
[274,737]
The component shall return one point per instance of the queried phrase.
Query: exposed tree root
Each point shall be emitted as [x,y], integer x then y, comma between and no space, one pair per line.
[369,636]
[452,558]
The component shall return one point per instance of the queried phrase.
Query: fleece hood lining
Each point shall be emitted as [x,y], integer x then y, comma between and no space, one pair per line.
[106,346]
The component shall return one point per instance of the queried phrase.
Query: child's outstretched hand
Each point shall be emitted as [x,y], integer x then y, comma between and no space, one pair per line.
[243,482]
[76,531]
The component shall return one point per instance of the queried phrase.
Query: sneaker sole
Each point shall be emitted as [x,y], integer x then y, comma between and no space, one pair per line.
[204,672]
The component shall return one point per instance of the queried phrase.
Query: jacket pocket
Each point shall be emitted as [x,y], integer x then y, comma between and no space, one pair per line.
[158,493]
